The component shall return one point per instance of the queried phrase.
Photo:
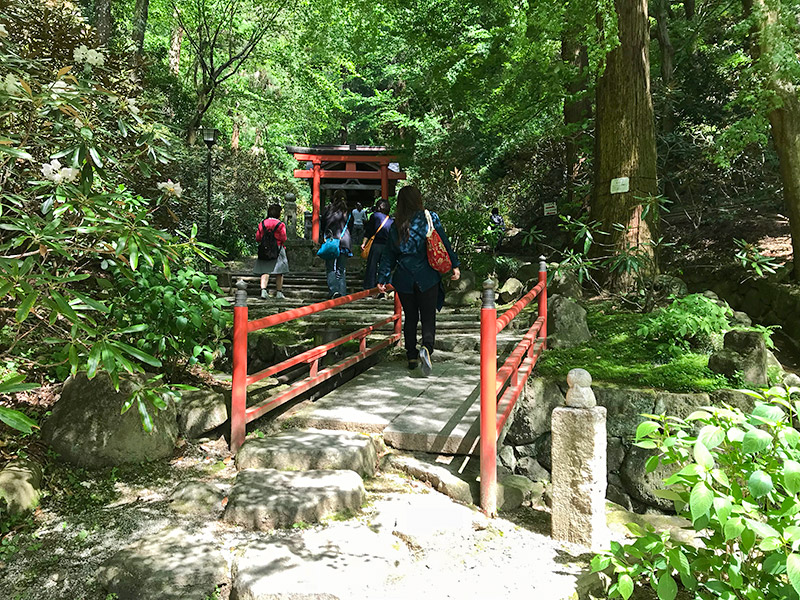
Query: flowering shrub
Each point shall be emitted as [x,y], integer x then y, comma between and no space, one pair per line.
[737,479]
[74,237]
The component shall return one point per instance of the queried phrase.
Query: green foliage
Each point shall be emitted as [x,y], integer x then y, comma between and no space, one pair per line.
[690,323]
[74,235]
[752,259]
[616,353]
[186,317]
[14,418]
[736,478]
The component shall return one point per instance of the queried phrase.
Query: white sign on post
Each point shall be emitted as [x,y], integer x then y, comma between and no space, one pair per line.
[620,185]
[550,209]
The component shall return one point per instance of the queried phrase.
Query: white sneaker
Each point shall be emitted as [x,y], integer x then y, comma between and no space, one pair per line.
[279,295]
[264,294]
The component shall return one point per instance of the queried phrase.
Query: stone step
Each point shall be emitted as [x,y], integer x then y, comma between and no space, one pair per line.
[300,450]
[267,499]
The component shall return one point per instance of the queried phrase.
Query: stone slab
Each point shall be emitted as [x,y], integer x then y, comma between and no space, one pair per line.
[266,499]
[343,560]
[299,450]
[174,564]
[438,414]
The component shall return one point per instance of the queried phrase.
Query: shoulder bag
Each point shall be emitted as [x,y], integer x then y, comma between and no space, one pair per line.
[330,247]
[368,246]
[438,257]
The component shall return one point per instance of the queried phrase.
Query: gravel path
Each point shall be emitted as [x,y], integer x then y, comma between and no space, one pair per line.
[453,551]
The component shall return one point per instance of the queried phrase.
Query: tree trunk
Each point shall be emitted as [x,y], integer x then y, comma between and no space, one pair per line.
[784,119]
[661,14]
[235,136]
[625,146]
[104,25]
[140,25]
[576,110]
[175,49]
[785,122]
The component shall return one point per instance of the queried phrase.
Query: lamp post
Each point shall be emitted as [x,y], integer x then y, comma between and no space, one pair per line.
[210,138]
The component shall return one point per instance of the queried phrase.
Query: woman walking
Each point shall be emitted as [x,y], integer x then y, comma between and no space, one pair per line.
[271,238]
[418,285]
[334,224]
[378,226]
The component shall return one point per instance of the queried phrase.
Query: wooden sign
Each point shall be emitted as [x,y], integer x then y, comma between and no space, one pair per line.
[620,185]
[550,209]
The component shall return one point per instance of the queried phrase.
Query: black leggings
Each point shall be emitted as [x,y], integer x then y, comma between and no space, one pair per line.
[419,306]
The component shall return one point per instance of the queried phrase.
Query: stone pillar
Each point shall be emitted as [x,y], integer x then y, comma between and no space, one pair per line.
[290,212]
[579,466]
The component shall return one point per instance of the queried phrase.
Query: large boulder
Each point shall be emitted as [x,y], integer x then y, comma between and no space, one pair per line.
[642,485]
[566,323]
[564,283]
[466,283]
[173,564]
[201,411]
[87,429]
[532,414]
[511,291]
[462,298]
[743,352]
[20,485]
[624,407]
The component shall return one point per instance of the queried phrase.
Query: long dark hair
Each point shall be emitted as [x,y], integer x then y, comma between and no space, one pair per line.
[409,201]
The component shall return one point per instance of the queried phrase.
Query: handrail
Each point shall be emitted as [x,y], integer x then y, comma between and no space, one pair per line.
[240,413]
[512,375]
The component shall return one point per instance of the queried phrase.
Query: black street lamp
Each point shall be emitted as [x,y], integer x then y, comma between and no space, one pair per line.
[210,138]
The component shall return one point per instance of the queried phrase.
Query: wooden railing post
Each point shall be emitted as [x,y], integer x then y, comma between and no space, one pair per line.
[239,385]
[398,312]
[489,400]
[543,300]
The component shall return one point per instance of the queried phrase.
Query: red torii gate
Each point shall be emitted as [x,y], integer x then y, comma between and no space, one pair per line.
[349,163]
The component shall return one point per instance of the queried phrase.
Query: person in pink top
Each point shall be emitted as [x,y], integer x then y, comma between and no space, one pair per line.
[272,225]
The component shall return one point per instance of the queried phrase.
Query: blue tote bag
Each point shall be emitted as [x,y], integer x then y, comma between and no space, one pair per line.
[330,247]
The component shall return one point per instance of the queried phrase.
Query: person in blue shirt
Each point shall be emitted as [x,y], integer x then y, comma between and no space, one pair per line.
[378,225]
[417,284]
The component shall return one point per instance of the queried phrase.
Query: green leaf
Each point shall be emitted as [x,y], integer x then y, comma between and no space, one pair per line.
[711,435]
[147,421]
[762,530]
[755,440]
[600,562]
[702,456]
[769,544]
[759,484]
[138,354]
[651,464]
[625,585]
[15,152]
[700,500]
[646,428]
[667,588]
[723,507]
[678,561]
[94,360]
[791,476]
[25,307]
[90,302]
[793,570]
[733,528]
[17,420]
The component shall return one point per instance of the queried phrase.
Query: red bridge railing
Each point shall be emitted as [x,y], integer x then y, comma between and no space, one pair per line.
[509,379]
[241,414]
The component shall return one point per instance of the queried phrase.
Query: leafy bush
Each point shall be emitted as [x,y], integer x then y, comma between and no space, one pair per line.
[689,323]
[737,478]
[76,141]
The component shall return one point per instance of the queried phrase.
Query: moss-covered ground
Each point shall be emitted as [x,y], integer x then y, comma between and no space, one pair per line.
[616,354]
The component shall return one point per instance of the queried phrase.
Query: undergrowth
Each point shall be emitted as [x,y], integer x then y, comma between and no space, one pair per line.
[617,353]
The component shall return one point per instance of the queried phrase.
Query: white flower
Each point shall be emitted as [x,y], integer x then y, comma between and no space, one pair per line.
[171,189]
[80,53]
[9,84]
[95,58]
[51,168]
[134,110]
[54,172]
[3,31]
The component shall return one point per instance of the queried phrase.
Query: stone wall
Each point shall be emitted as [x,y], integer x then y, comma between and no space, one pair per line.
[768,301]
[526,446]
